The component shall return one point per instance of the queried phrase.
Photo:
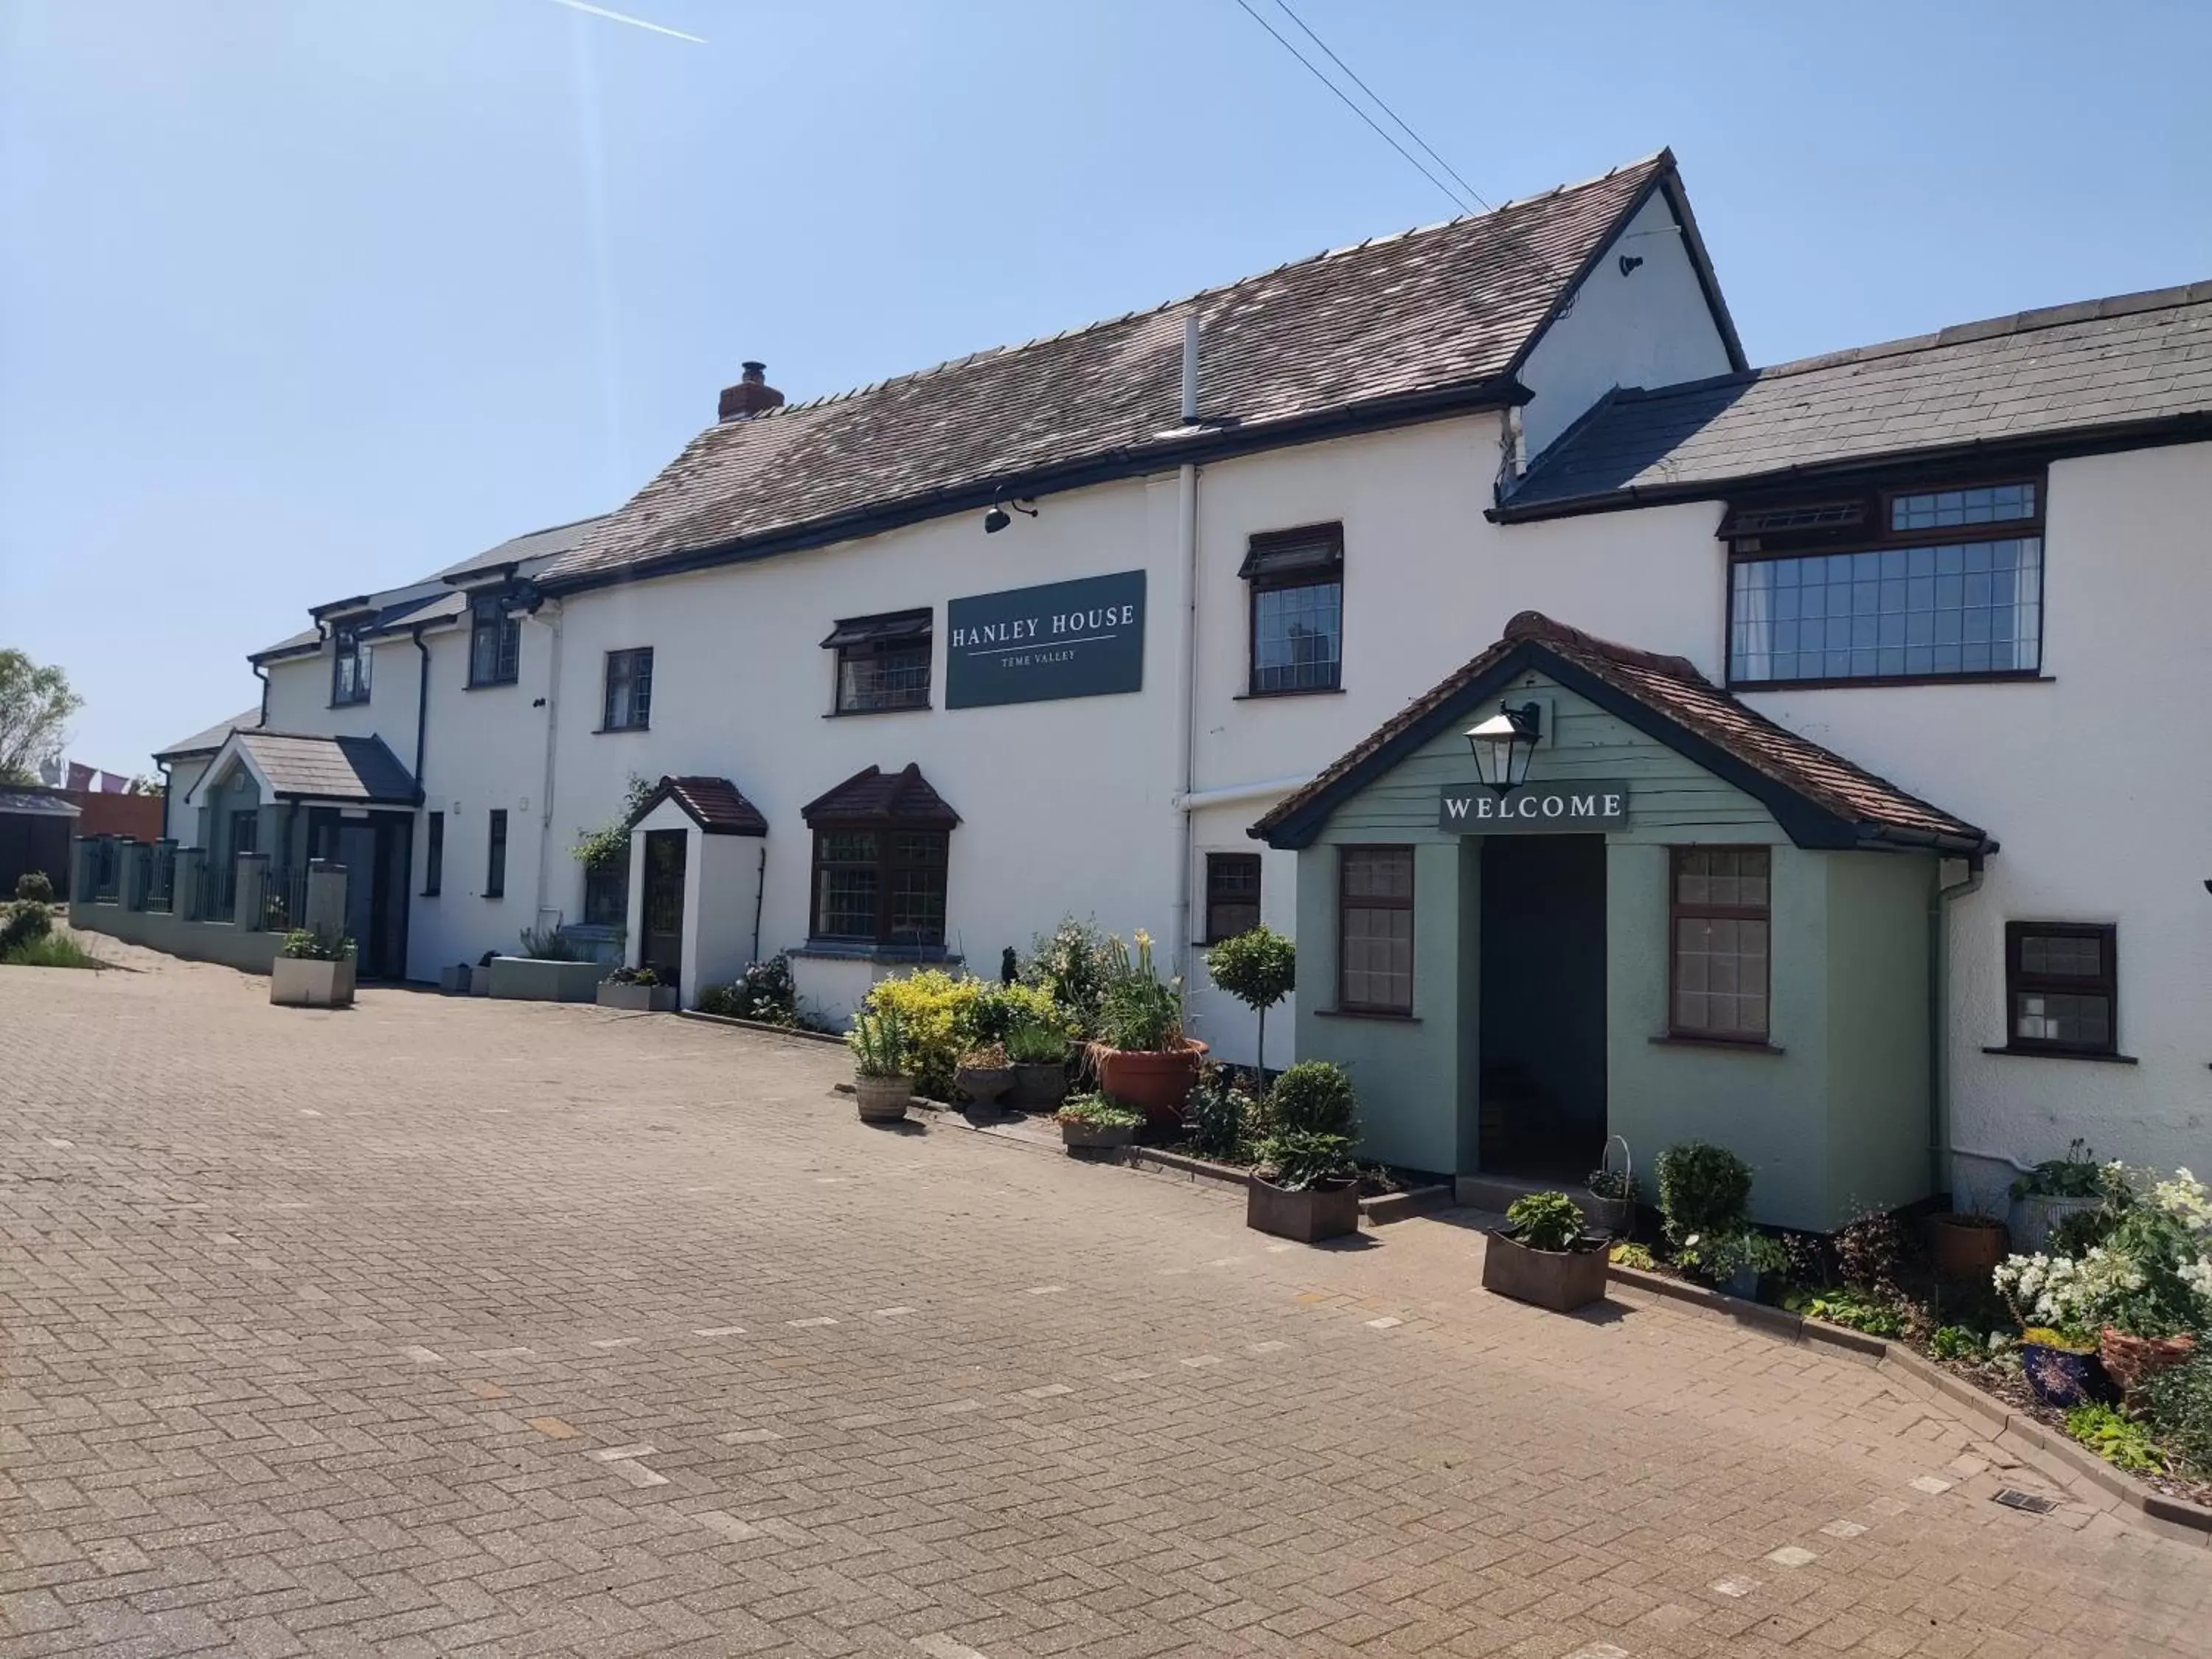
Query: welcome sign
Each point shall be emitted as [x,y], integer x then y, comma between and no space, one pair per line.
[1470,809]
[1078,639]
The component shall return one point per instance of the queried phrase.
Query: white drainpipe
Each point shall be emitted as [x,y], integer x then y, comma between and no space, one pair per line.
[552,728]
[1227,794]
[1187,667]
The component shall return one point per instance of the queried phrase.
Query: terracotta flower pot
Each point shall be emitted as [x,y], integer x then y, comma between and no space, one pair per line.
[1965,1246]
[1158,1079]
[2131,1361]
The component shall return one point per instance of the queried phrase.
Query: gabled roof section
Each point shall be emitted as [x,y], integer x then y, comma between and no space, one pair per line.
[2138,367]
[296,766]
[207,741]
[713,803]
[1820,798]
[1420,323]
[874,798]
[29,801]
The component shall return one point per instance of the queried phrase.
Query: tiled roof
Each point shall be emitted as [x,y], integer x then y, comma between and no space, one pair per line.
[330,768]
[207,741]
[2069,373]
[713,803]
[1670,699]
[549,543]
[1450,308]
[876,796]
[36,803]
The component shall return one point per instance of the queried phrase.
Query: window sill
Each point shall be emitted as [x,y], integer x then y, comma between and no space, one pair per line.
[2007,676]
[490,685]
[1726,1045]
[431,892]
[350,702]
[831,949]
[1295,691]
[493,898]
[1383,1014]
[863,713]
[616,731]
[2025,1052]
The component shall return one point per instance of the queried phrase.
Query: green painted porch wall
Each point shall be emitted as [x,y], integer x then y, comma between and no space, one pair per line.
[1838,1113]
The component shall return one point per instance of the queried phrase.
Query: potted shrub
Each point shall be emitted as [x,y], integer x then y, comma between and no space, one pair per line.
[640,990]
[1092,1121]
[1613,1191]
[1222,1115]
[1705,1209]
[880,1082]
[985,1073]
[2053,1190]
[1039,1054]
[1966,1245]
[312,970]
[1142,1054]
[1544,1254]
[1741,1260]
[1304,1188]
[1259,968]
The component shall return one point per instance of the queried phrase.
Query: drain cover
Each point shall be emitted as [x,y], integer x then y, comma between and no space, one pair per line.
[2029,1501]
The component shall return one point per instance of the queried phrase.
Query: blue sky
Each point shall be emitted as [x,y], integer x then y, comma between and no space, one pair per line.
[304,297]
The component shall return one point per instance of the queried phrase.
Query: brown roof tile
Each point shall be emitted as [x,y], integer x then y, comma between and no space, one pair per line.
[876,797]
[713,803]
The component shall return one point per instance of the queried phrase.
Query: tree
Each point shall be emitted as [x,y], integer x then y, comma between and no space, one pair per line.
[142,785]
[35,704]
[1259,968]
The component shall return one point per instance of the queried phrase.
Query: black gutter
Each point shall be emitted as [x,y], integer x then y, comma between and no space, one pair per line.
[422,705]
[1215,443]
[2167,429]
[260,673]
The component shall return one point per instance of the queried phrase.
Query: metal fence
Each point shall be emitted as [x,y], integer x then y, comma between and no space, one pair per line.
[106,863]
[160,878]
[218,889]
[284,900]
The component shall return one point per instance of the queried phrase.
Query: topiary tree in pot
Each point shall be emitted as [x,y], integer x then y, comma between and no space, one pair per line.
[1259,968]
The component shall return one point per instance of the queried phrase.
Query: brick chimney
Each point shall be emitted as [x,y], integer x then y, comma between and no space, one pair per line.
[751,396]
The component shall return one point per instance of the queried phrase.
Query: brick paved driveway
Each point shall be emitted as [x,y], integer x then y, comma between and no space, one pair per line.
[441,1326]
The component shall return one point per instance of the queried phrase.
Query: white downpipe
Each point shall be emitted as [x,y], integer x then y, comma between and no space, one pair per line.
[1229,794]
[1190,367]
[1186,722]
[552,729]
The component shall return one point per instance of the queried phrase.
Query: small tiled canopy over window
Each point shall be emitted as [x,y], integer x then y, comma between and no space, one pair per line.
[1297,580]
[1719,962]
[494,641]
[883,662]
[1375,930]
[881,842]
[1232,895]
[2061,987]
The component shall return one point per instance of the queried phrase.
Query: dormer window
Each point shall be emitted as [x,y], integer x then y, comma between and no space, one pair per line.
[349,668]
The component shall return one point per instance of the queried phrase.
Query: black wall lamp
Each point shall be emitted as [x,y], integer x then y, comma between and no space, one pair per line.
[996,519]
[1503,743]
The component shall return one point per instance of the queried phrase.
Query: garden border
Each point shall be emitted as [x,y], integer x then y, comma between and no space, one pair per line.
[2173,1516]
[762,1026]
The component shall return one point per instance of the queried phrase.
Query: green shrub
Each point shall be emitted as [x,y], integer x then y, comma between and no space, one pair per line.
[1544,1221]
[1876,1315]
[22,922]
[2077,1175]
[306,944]
[878,1043]
[1298,1160]
[942,1016]
[764,993]
[1100,1112]
[1037,1042]
[1704,1190]
[2178,1404]
[549,944]
[1715,1257]
[632,976]
[1870,1251]
[1958,1342]
[1074,964]
[1259,967]
[1629,1254]
[1313,1098]
[50,951]
[1221,1115]
[1140,1011]
[2116,1437]
[35,887]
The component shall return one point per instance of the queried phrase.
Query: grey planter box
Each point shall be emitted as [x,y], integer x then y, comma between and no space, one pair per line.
[532,979]
[1096,1135]
[638,998]
[1308,1217]
[295,982]
[1561,1281]
[454,981]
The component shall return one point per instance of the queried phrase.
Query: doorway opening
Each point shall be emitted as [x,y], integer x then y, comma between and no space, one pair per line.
[1542,1006]
[377,852]
[661,906]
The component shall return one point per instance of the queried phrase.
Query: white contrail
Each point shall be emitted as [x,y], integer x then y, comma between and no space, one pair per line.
[635,22]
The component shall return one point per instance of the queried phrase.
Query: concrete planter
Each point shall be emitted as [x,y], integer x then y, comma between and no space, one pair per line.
[1039,1088]
[1319,1212]
[1561,1281]
[454,981]
[533,979]
[638,998]
[1093,1137]
[983,1084]
[295,982]
[883,1099]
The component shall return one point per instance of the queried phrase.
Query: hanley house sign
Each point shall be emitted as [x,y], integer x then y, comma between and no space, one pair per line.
[1078,639]
[1593,804]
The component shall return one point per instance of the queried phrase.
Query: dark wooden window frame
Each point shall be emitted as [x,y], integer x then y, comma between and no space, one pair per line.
[495,614]
[1868,530]
[347,646]
[2106,984]
[1345,902]
[1258,580]
[434,855]
[894,634]
[495,853]
[888,866]
[1677,912]
[637,663]
[1223,862]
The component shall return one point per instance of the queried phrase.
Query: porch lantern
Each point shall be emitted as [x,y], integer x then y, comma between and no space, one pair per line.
[1503,745]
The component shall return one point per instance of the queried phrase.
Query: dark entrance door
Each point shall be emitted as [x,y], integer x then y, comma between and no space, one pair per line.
[377,852]
[661,906]
[1542,1005]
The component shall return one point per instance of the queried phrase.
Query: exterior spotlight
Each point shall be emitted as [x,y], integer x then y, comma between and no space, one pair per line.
[1503,745]
[995,520]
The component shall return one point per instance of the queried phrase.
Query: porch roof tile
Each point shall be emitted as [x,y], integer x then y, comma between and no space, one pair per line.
[713,803]
[300,766]
[876,797]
